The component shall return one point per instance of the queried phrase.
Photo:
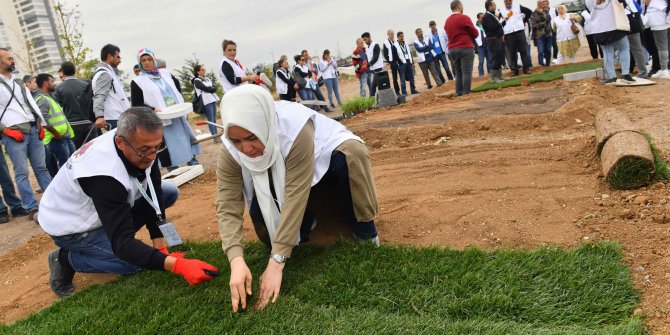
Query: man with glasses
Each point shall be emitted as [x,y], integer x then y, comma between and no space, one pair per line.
[109,189]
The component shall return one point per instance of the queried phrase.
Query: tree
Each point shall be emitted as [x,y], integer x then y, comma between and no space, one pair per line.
[70,33]
[185,77]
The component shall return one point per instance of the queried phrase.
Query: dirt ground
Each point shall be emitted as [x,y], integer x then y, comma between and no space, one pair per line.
[499,169]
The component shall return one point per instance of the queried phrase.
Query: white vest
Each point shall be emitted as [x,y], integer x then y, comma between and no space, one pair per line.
[514,23]
[602,19]
[328,135]
[239,72]
[116,101]
[281,86]
[405,57]
[369,51]
[65,208]
[18,110]
[207,98]
[152,93]
[421,56]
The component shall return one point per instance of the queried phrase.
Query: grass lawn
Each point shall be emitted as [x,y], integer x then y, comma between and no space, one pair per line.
[352,289]
[550,74]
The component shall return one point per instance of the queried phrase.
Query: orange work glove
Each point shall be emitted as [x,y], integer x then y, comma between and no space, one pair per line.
[164,250]
[193,270]
[15,134]
[41,133]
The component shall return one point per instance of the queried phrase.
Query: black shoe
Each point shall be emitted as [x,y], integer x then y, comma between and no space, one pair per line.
[60,278]
[32,214]
[429,87]
[527,71]
[608,81]
[415,92]
[19,211]
[515,73]
[4,217]
[628,78]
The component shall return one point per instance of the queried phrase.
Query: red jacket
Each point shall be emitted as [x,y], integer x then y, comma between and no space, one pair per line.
[460,31]
[360,62]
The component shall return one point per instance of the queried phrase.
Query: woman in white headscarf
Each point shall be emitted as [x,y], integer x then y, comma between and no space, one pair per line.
[157,89]
[274,153]
[568,40]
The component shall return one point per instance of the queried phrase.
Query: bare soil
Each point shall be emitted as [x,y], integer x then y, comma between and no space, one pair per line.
[513,168]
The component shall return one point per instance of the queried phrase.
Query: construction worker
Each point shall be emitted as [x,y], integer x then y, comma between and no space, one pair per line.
[59,134]
[273,155]
[109,189]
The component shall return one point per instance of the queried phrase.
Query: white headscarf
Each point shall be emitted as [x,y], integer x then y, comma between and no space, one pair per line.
[252,108]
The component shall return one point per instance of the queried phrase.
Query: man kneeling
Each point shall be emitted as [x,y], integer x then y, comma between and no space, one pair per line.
[95,205]
[273,155]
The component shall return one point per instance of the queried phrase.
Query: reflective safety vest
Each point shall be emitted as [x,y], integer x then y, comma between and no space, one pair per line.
[56,119]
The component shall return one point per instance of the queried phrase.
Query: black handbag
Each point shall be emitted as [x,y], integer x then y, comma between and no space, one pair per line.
[198,105]
[635,20]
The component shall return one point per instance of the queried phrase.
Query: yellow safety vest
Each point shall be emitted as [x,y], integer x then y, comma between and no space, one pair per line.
[56,119]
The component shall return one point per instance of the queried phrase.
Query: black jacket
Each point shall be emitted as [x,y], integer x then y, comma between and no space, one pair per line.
[66,95]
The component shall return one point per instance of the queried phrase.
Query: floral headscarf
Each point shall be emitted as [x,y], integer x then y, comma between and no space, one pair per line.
[153,73]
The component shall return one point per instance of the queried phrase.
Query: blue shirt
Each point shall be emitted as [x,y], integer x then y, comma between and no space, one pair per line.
[436,44]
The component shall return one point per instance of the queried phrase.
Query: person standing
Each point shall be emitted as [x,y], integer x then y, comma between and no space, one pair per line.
[657,16]
[541,23]
[94,210]
[406,66]
[514,19]
[426,54]
[314,69]
[231,70]
[602,25]
[391,58]
[66,95]
[633,11]
[109,97]
[302,77]
[204,87]
[461,32]
[375,62]
[494,38]
[359,58]
[11,204]
[59,134]
[328,69]
[285,85]
[568,41]
[22,127]
[157,89]
[440,42]
[482,47]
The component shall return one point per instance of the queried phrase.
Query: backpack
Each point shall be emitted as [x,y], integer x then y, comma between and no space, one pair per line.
[85,99]
[198,105]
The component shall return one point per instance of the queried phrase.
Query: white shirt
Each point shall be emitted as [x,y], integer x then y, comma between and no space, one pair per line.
[328,71]
[18,110]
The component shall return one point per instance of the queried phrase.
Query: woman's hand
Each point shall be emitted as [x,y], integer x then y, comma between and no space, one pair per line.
[240,283]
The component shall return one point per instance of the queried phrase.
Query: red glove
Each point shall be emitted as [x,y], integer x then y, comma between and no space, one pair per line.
[41,133]
[164,250]
[192,270]
[15,134]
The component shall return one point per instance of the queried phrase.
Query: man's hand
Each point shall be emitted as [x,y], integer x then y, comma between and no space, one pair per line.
[240,283]
[41,133]
[192,270]
[100,122]
[14,134]
[270,283]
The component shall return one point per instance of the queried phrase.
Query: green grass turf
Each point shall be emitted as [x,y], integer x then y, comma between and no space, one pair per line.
[550,74]
[353,289]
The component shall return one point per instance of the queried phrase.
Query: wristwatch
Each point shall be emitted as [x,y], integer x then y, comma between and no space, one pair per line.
[278,258]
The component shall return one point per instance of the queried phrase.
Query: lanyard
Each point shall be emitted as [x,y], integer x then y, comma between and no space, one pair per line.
[153,201]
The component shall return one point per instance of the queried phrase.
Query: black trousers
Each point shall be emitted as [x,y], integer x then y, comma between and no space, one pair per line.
[394,73]
[80,133]
[496,49]
[649,44]
[594,47]
[516,43]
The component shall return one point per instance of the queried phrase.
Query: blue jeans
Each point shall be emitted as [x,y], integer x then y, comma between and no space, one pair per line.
[544,50]
[31,149]
[112,123]
[372,82]
[484,55]
[624,57]
[363,82]
[91,251]
[338,172]
[210,113]
[530,59]
[50,162]
[442,58]
[333,86]
[62,150]
[8,191]
[406,72]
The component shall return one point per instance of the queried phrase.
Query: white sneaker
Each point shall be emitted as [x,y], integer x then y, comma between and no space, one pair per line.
[662,74]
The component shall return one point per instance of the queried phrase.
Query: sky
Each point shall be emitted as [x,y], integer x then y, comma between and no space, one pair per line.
[263,29]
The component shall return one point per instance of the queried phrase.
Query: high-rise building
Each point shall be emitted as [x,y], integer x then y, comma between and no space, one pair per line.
[30,29]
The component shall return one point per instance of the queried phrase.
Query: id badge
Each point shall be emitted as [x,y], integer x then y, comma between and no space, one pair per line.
[169,101]
[170,234]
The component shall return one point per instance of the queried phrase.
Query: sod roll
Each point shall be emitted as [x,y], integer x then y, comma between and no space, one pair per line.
[627,160]
[609,122]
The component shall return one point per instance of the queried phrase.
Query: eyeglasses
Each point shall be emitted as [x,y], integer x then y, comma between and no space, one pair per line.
[146,153]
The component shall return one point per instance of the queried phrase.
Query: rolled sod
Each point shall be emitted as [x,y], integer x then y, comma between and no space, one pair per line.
[627,160]
[609,122]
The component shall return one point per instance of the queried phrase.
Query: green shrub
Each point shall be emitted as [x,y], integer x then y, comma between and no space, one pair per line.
[358,105]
